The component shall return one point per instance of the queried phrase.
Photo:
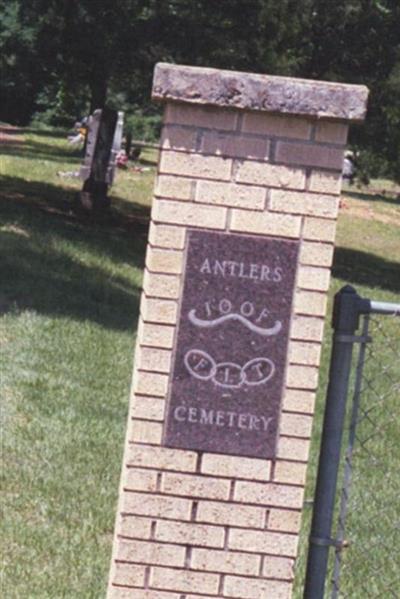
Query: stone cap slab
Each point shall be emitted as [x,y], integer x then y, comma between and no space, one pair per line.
[250,91]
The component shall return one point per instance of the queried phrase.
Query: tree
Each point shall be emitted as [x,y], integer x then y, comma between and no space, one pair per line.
[20,79]
[74,55]
[358,41]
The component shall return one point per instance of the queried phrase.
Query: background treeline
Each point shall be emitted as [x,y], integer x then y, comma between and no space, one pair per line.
[59,59]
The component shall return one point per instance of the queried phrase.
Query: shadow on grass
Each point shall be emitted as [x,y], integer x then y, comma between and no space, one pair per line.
[146,162]
[47,255]
[59,200]
[41,151]
[372,196]
[366,269]
[38,150]
[55,133]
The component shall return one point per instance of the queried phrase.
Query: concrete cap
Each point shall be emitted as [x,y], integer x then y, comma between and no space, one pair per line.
[249,91]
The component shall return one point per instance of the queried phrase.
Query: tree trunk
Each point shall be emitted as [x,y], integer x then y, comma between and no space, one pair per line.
[98,90]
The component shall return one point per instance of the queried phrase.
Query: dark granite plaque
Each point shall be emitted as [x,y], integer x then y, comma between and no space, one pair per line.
[230,352]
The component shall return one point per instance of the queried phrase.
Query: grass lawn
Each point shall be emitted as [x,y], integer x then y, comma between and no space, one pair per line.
[68,309]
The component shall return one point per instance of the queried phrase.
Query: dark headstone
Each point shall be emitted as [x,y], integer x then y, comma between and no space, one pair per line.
[103,145]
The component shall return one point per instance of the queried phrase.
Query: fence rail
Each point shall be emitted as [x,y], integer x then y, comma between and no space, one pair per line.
[366,540]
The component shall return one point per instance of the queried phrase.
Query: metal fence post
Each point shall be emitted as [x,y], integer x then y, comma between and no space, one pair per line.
[348,306]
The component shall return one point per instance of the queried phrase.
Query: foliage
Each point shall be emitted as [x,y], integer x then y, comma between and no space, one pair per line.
[20,81]
[62,58]
[146,128]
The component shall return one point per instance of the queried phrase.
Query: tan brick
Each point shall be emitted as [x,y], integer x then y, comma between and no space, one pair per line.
[314,278]
[237,146]
[284,520]
[148,408]
[229,194]
[140,480]
[150,383]
[129,575]
[325,182]
[120,593]
[268,494]
[196,165]
[293,449]
[167,236]
[184,580]
[276,126]
[165,261]
[278,567]
[302,377]
[229,514]
[156,335]
[162,458]
[304,353]
[175,188]
[145,431]
[296,425]
[200,116]
[303,203]
[162,286]
[161,506]
[293,473]
[190,534]
[296,400]
[316,254]
[178,138]
[307,328]
[250,588]
[196,215]
[225,561]
[135,527]
[195,486]
[146,552]
[261,541]
[335,133]
[161,311]
[310,303]
[236,467]
[271,175]
[319,229]
[267,223]
[151,358]
[309,155]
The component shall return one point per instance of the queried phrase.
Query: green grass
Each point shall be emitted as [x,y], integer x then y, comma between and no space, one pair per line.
[69,303]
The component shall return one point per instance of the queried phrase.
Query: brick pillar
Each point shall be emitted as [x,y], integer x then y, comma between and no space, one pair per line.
[250,170]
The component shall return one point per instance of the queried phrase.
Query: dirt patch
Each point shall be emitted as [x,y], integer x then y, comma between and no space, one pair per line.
[389,217]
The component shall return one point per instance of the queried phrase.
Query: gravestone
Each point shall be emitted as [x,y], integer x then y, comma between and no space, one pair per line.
[231,322]
[103,144]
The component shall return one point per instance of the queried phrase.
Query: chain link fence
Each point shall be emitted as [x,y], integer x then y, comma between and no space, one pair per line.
[367,554]
[354,547]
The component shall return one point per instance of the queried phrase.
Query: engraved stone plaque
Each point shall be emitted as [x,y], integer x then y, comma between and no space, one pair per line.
[231,347]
